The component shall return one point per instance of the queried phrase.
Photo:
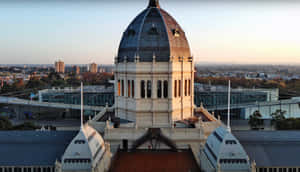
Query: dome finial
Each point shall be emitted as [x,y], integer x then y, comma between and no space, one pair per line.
[153,3]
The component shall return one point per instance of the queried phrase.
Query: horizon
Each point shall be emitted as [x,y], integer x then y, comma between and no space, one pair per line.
[82,32]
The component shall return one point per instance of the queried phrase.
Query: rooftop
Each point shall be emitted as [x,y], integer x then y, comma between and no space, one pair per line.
[157,161]
[28,148]
[271,148]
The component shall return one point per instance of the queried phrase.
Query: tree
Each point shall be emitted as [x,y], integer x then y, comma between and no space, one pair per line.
[5,124]
[35,83]
[26,126]
[277,116]
[256,121]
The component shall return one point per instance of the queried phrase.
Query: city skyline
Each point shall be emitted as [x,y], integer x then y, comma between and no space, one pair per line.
[79,32]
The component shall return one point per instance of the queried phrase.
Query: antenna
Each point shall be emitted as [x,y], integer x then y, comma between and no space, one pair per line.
[228,111]
[81,106]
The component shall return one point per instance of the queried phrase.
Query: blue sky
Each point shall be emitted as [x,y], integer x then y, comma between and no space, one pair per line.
[85,31]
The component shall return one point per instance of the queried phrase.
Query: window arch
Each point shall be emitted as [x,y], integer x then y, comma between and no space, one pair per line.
[159,89]
[142,89]
[119,88]
[149,89]
[128,88]
[179,88]
[132,87]
[122,87]
[175,88]
[166,89]
[189,87]
[185,87]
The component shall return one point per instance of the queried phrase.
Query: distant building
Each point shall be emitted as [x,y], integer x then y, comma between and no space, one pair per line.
[101,70]
[93,95]
[59,66]
[93,68]
[84,68]
[76,69]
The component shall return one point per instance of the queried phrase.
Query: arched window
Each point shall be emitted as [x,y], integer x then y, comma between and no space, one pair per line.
[122,85]
[128,88]
[143,89]
[119,88]
[166,89]
[185,87]
[149,89]
[175,88]
[179,88]
[132,87]
[189,87]
[159,89]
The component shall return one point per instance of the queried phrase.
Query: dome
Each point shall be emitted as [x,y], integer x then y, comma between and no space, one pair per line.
[85,150]
[224,151]
[153,33]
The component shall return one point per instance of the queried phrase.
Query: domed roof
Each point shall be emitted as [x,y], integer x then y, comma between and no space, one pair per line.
[224,151]
[85,150]
[153,33]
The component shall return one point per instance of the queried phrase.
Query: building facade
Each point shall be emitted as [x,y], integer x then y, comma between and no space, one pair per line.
[154,71]
[59,66]
[93,68]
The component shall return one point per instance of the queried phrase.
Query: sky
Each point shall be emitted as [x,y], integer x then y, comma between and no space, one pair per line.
[85,31]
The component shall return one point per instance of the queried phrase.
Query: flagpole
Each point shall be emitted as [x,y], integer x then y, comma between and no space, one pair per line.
[228,110]
[81,106]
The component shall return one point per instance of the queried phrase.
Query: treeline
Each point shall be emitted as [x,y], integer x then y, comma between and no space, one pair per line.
[288,124]
[5,124]
[23,89]
[278,120]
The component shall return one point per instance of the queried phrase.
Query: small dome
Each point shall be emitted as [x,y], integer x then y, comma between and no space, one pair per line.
[224,151]
[85,150]
[153,32]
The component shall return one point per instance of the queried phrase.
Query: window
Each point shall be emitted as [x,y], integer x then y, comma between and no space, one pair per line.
[143,89]
[119,88]
[79,142]
[130,32]
[159,89]
[153,31]
[149,93]
[179,88]
[165,89]
[185,87]
[128,88]
[176,32]
[211,152]
[132,87]
[218,136]
[236,161]
[189,87]
[77,160]
[175,88]
[122,85]
[230,142]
